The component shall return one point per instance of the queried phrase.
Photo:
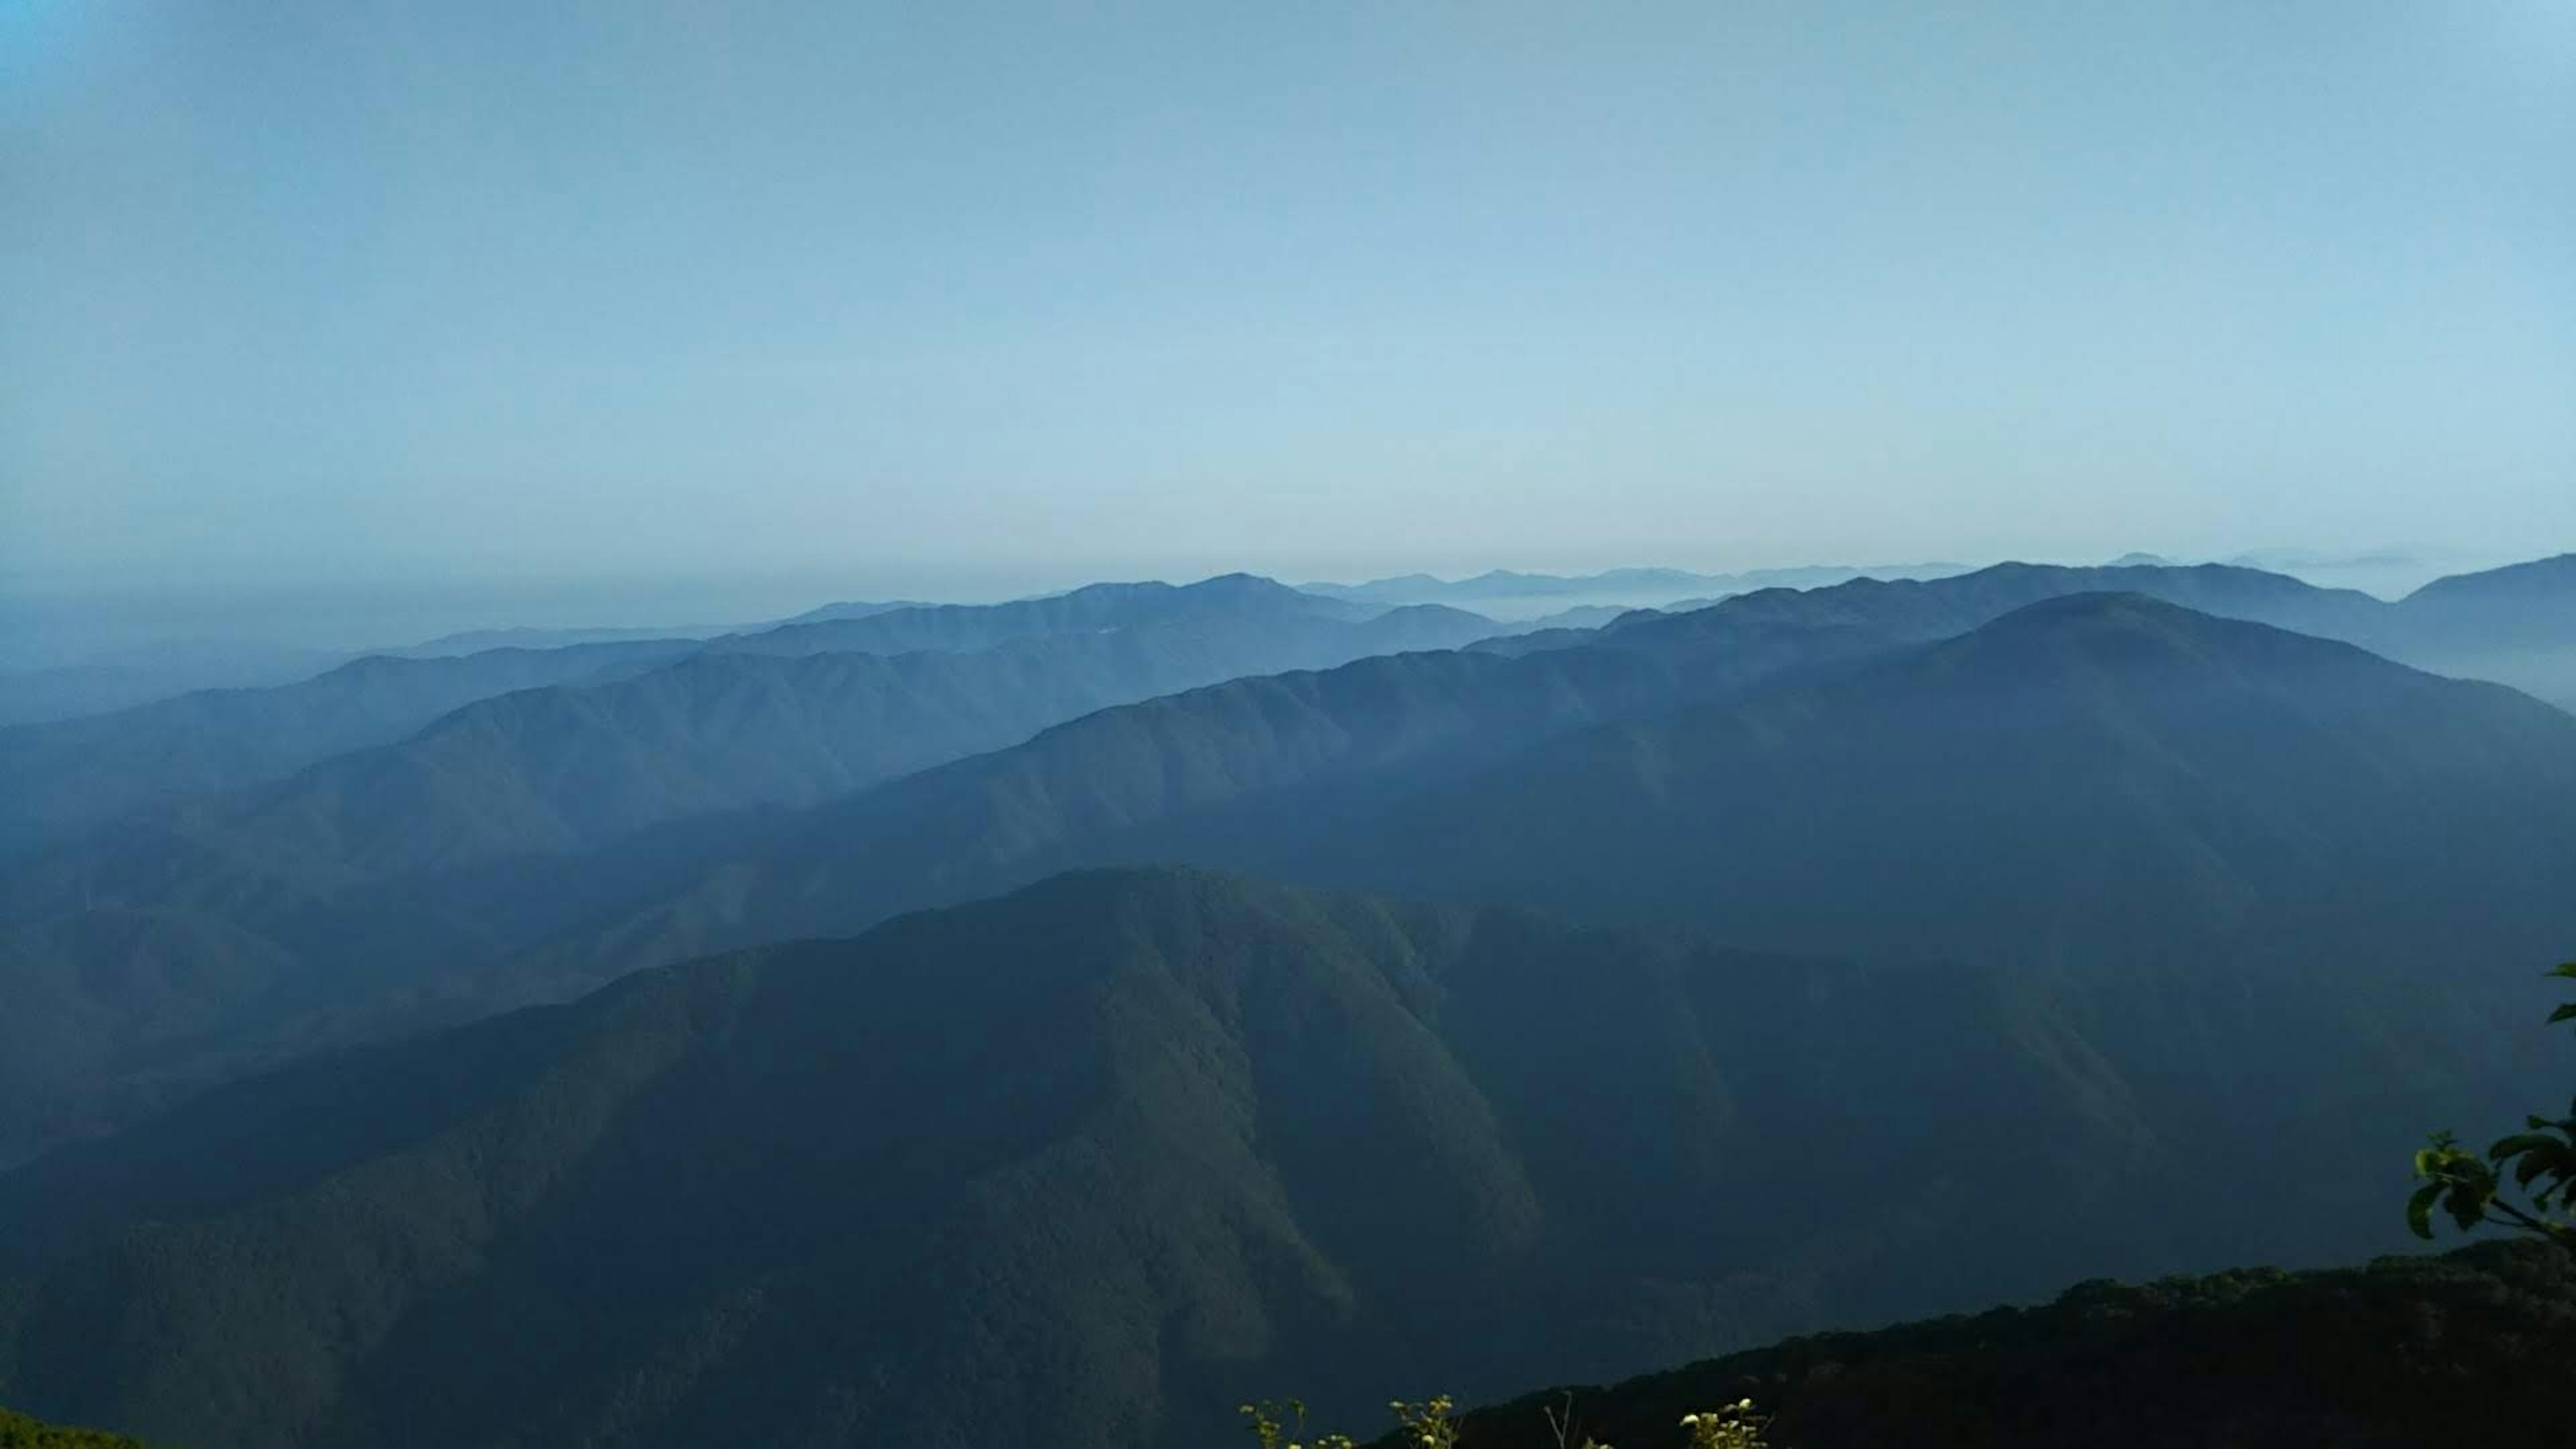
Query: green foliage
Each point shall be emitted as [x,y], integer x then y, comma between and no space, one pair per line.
[1427,1425]
[1734,1426]
[1281,1424]
[2467,1349]
[1164,1123]
[1433,1424]
[17,1431]
[2540,1162]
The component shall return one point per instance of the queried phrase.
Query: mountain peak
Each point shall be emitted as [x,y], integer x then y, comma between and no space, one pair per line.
[2544,578]
[2114,629]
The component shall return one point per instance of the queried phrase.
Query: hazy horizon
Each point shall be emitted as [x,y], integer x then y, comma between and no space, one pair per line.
[603,302]
[48,631]
[1938,673]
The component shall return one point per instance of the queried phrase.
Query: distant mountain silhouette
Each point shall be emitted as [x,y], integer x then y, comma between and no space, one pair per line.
[476,641]
[230,924]
[2096,781]
[45,684]
[60,777]
[241,912]
[1335,778]
[1249,772]
[1228,597]
[2245,856]
[2002,790]
[1614,587]
[2514,625]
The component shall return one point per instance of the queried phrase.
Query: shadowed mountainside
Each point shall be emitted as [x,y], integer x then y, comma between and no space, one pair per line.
[65,775]
[166,939]
[2218,790]
[2513,625]
[1187,1131]
[2469,1348]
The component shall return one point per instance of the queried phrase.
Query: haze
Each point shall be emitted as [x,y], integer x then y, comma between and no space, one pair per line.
[608,302]
[1141,726]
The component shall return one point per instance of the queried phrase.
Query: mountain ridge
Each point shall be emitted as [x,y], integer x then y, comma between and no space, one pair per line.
[1333,1101]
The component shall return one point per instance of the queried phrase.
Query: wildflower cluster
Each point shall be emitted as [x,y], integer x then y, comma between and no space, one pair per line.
[1427,1424]
[1281,1424]
[1735,1426]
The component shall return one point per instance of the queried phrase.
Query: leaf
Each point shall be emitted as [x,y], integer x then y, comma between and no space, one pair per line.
[2522,1142]
[2419,1210]
[2534,1166]
[2564,1013]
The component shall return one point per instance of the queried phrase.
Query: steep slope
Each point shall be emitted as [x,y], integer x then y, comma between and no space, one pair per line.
[2534,597]
[180,945]
[1309,779]
[1096,1157]
[1245,773]
[61,777]
[550,771]
[2099,777]
[2516,625]
[2017,786]
[2252,865]
[2466,1349]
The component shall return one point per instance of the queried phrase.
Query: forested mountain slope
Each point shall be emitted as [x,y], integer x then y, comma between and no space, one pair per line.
[2098,777]
[167,945]
[2514,625]
[1189,1133]
[65,775]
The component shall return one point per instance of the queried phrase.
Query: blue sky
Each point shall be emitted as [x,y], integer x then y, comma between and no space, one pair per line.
[852,300]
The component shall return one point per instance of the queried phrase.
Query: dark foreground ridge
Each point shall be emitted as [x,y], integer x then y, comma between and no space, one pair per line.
[2466,1349]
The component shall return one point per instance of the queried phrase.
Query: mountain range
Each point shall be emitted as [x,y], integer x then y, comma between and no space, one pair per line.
[1509,594]
[67,776]
[1184,1131]
[62,777]
[538,844]
[1103,1152]
[2514,625]
[884,1023]
[414,855]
